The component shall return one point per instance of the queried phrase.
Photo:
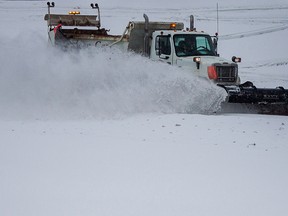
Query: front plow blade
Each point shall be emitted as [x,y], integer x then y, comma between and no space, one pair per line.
[247,98]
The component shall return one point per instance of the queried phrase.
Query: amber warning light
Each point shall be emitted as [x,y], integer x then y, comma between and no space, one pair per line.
[74,12]
[173,25]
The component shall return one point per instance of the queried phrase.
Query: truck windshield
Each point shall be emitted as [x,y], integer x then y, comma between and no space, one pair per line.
[193,44]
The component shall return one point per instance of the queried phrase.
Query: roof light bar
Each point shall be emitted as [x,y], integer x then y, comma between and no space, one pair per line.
[74,12]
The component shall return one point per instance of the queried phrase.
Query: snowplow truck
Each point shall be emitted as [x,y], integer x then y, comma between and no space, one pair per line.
[168,42]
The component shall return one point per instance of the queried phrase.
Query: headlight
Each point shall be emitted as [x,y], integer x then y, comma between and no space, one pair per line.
[197,59]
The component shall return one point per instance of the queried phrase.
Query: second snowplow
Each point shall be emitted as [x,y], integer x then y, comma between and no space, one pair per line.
[169,42]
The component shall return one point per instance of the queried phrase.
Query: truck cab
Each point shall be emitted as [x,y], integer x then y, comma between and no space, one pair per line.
[194,51]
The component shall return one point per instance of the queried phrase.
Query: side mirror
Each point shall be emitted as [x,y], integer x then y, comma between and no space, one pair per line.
[215,42]
[236,59]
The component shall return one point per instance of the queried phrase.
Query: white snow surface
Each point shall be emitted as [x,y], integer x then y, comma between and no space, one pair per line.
[99,132]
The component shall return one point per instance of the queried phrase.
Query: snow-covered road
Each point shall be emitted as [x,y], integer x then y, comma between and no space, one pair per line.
[147,164]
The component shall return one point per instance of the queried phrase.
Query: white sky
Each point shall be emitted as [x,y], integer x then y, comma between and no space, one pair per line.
[177,4]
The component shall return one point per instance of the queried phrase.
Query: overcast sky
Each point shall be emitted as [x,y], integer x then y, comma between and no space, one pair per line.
[175,3]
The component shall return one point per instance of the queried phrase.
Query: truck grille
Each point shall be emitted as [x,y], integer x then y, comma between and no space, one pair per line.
[226,73]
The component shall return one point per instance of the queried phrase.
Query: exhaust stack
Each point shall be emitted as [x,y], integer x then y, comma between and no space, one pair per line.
[146,37]
[192,27]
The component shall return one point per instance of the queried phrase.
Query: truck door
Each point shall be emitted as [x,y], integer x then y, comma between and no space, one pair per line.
[163,48]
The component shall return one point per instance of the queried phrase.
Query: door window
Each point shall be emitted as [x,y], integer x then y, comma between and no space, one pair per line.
[163,45]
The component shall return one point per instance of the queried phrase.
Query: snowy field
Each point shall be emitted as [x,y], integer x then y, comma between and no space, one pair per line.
[100,132]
